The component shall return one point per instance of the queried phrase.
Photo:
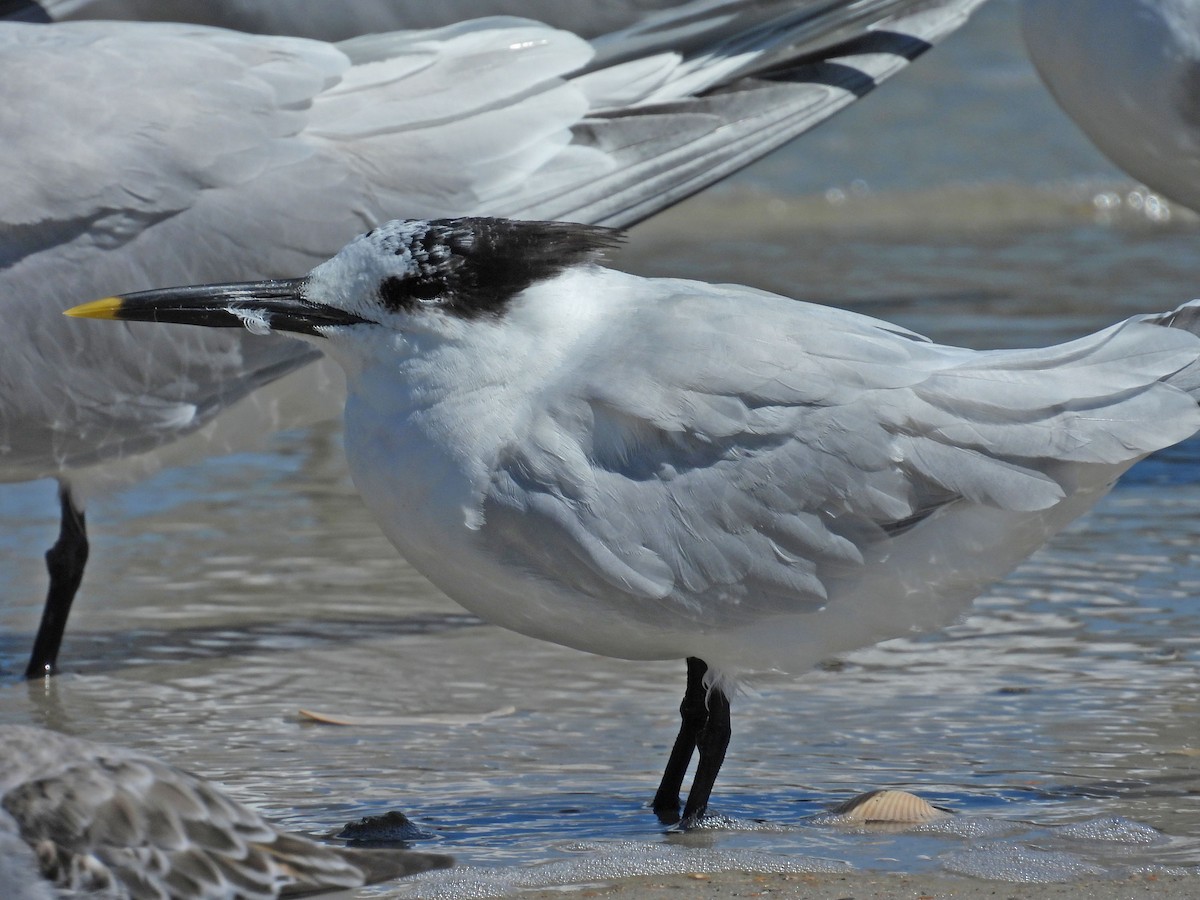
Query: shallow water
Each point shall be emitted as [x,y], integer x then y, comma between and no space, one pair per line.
[1058,719]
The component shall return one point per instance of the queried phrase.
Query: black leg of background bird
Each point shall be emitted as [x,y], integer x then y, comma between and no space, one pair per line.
[694,714]
[65,562]
[712,744]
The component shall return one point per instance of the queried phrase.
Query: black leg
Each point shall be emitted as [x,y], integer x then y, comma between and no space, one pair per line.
[694,714]
[65,562]
[712,744]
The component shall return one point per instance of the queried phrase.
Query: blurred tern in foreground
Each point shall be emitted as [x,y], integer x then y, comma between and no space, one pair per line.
[1126,72]
[140,154]
[112,822]
[656,468]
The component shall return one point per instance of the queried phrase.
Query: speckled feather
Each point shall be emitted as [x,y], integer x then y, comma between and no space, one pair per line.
[108,819]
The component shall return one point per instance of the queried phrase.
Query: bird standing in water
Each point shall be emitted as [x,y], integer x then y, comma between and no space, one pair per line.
[652,468]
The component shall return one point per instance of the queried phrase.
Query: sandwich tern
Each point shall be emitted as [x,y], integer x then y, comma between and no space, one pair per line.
[1126,72]
[657,468]
[242,156]
[90,818]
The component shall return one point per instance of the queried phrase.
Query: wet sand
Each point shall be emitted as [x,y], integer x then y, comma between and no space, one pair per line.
[869,886]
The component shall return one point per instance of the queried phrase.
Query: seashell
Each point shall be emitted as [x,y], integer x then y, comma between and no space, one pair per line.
[888,808]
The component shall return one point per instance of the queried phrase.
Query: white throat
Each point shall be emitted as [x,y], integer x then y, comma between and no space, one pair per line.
[446,396]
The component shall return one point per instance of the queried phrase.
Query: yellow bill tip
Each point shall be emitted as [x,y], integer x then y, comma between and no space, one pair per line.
[97,309]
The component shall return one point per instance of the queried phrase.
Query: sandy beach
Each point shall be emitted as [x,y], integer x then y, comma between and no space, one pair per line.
[870,886]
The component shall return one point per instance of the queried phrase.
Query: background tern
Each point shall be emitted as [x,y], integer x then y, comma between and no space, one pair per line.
[108,821]
[333,22]
[1126,72]
[150,153]
[657,468]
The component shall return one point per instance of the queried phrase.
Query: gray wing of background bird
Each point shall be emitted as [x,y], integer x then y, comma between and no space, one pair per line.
[97,815]
[239,156]
[698,115]
[334,22]
[1128,74]
[327,21]
[751,456]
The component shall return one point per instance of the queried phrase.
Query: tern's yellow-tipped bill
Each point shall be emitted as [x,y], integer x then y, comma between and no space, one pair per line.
[97,309]
[275,305]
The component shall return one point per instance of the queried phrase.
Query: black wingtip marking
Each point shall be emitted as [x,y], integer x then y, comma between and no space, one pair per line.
[23,11]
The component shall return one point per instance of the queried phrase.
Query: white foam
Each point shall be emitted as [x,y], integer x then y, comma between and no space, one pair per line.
[603,863]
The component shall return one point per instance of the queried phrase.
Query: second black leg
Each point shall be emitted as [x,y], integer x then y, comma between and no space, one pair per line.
[712,743]
[693,712]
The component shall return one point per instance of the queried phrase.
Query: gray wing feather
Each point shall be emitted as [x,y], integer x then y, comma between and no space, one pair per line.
[327,21]
[671,123]
[757,462]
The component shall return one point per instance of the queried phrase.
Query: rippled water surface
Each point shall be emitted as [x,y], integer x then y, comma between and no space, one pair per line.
[1059,718]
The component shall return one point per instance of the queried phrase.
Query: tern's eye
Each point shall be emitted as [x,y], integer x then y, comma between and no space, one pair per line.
[401,293]
[394,293]
[425,290]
